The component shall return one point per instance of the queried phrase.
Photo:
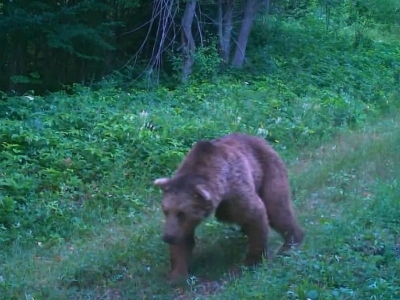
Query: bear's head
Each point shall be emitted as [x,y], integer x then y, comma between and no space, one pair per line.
[186,202]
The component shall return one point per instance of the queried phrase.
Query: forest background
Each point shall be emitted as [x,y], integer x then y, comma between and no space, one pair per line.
[49,44]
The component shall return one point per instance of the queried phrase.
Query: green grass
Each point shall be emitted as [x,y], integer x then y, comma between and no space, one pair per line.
[347,197]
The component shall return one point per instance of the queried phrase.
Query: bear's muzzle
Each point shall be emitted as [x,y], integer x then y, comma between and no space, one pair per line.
[170,239]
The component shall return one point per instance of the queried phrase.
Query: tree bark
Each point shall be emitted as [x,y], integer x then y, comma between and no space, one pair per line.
[247,23]
[225,14]
[188,44]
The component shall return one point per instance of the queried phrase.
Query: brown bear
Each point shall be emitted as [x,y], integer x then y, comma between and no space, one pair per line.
[242,180]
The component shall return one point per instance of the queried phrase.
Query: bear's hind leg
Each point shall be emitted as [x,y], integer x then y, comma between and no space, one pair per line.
[281,216]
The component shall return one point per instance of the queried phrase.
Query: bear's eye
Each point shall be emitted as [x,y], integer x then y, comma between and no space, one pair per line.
[165,211]
[180,215]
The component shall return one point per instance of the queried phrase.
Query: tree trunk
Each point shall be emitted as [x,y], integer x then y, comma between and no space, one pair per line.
[247,23]
[225,15]
[188,45]
[17,64]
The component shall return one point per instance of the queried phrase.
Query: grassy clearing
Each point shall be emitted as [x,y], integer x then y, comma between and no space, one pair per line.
[347,196]
[79,218]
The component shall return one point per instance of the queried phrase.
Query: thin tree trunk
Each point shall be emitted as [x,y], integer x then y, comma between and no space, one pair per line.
[188,44]
[247,23]
[225,28]
[18,65]
[220,26]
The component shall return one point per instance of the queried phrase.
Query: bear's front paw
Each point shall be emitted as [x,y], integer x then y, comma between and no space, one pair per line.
[178,275]
[253,260]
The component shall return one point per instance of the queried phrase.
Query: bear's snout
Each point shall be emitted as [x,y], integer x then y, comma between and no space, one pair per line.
[169,239]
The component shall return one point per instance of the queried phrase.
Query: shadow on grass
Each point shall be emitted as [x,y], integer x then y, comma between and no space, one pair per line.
[216,254]
[137,269]
[222,251]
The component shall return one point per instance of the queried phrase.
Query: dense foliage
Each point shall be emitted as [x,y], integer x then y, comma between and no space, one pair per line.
[49,44]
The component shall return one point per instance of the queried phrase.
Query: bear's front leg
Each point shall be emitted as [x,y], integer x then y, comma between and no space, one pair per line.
[180,256]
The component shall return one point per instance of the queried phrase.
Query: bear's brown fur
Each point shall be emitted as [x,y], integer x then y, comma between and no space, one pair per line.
[242,180]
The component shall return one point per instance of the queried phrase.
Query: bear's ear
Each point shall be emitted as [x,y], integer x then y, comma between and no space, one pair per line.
[204,147]
[203,192]
[162,182]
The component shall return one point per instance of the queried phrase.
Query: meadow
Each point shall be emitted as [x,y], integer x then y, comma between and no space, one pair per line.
[80,217]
